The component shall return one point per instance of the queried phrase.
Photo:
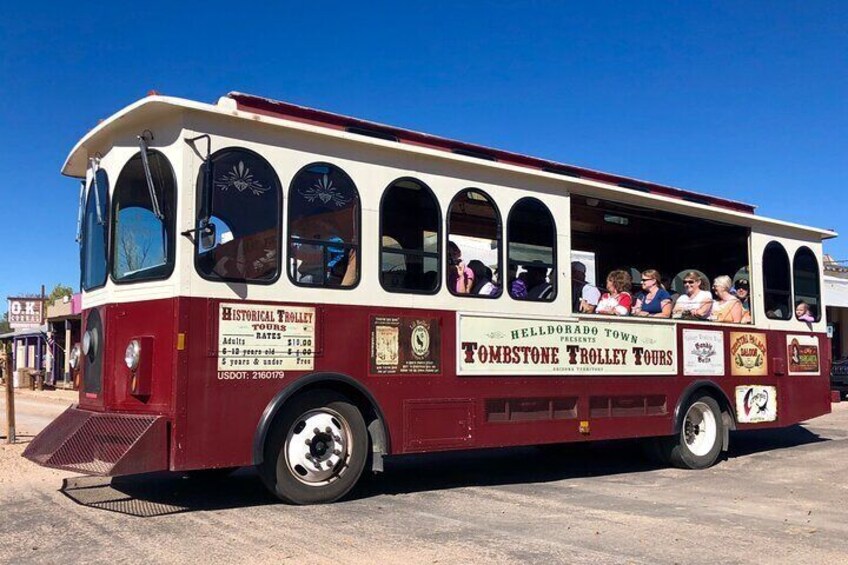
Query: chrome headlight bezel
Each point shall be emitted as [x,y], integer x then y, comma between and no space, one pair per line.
[132,354]
[74,357]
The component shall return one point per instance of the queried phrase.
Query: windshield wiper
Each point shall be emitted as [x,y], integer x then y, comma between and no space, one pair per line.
[94,163]
[143,140]
[79,211]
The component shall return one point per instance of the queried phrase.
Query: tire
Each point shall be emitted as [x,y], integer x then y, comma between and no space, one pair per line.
[317,449]
[698,445]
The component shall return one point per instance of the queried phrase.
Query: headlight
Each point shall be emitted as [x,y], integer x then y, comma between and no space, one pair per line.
[74,357]
[132,354]
[86,342]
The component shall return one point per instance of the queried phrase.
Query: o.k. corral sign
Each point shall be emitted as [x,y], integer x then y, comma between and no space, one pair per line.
[25,313]
[490,345]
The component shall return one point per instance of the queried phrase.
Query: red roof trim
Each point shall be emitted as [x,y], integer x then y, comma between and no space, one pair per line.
[312,116]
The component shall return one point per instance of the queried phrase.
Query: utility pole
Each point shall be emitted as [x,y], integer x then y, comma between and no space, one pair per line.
[10,400]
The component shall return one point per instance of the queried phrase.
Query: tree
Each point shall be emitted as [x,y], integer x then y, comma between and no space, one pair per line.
[58,292]
[4,324]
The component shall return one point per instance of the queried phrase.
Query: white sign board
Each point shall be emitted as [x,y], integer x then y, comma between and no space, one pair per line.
[25,313]
[262,341]
[703,353]
[489,345]
[756,403]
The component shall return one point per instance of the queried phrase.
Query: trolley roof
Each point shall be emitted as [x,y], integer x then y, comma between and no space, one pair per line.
[248,106]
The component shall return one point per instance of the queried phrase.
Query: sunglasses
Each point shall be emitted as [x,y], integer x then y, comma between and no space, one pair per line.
[688,282]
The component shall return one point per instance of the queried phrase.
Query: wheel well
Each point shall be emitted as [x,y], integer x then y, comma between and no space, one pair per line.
[712,390]
[341,384]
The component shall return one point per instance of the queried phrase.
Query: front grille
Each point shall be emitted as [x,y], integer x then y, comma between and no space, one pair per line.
[102,444]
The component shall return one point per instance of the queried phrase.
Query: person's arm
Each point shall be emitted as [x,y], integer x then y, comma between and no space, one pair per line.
[666,309]
[350,273]
[736,312]
[703,311]
[623,308]
[469,279]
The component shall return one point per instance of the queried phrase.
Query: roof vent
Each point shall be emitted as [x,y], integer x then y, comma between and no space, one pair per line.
[562,171]
[475,154]
[634,186]
[696,199]
[372,133]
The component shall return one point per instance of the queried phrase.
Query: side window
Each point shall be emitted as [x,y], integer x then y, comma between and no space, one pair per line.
[242,241]
[777,289]
[474,245]
[805,272]
[531,251]
[143,244]
[93,246]
[410,222]
[324,228]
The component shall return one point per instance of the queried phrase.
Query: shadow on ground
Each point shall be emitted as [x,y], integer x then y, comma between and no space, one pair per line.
[159,494]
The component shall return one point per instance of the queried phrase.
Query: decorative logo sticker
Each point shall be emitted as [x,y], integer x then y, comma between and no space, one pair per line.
[755,403]
[748,354]
[803,354]
[324,191]
[403,345]
[703,353]
[241,179]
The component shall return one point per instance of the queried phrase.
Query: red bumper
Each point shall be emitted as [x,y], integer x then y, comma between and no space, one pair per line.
[102,444]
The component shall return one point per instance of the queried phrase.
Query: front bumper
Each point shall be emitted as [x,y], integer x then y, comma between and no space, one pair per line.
[105,444]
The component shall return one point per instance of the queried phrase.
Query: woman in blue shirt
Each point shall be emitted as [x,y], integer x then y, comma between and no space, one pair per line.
[654,300]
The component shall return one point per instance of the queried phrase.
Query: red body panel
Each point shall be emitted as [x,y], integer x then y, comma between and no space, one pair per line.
[213,422]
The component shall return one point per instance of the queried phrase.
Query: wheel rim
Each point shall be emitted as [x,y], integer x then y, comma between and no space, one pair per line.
[699,429]
[318,446]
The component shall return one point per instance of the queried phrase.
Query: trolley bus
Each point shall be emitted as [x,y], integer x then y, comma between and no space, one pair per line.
[270,285]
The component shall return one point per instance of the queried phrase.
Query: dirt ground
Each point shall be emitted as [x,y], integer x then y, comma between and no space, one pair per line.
[780,497]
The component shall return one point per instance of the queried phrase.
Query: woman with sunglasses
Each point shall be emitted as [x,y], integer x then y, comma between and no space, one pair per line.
[654,300]
[694,303]
[726,308]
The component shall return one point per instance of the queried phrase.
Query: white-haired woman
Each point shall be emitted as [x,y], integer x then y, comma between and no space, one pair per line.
[726,307]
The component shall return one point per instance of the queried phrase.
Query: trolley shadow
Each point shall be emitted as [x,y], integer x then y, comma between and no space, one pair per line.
[162,494]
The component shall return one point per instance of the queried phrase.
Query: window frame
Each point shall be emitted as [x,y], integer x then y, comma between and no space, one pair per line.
[440,253]
[819,305]
[500,231]
[774,244]
[107,209]
[554,250]
[199,207]
[172,243]
[324,244]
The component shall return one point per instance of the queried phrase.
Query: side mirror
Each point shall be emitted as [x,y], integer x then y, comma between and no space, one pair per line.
[208,236]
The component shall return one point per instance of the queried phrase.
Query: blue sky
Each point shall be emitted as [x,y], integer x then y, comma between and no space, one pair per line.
[745,100]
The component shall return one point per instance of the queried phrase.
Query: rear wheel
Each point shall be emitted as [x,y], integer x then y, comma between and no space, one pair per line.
[317,449]
[698,444]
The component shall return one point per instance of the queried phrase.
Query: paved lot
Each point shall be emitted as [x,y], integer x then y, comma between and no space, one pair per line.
[781,497]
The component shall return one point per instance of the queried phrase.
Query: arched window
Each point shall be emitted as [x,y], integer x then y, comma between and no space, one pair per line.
[474,245]
[143,243]
[805,273]
[324,228]
[531,251]
[241,240]
[93,264]
[777,289]
[410,222]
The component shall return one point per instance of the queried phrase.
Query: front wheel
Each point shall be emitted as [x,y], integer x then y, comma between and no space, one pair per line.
[698,444]
[317,449]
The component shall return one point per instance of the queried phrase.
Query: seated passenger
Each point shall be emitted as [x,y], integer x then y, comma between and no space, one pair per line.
[694,303]
[803,312]
[654,300]
[538,287]
[460,277]
[726,307]
[584,296]
[617,300]
[517,284]
[744,296]
[483,284]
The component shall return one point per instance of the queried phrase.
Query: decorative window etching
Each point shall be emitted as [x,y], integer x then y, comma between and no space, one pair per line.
[241,179]
[324,191]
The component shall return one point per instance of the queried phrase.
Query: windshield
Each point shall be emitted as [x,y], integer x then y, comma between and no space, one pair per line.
[93,245]
[142,243]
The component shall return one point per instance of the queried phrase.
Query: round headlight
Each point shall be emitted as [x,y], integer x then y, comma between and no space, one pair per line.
[74,357]
[132,354]
[86,342]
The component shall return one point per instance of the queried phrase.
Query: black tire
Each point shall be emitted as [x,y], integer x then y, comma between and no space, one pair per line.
[315,466]
[699,443]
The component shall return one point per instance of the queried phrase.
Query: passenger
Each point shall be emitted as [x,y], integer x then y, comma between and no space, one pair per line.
[743,293]
[654,300]
[538,287]
[695,303]
[617,300]
[460,277]
[483,284]
[517,284]
[803,312]
[584,296]
[726,308]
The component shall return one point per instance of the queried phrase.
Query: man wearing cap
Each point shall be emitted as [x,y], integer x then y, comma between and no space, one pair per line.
[743,294]
[584,297]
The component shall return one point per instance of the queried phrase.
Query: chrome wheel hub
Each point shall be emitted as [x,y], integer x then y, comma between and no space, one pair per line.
[317,447]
